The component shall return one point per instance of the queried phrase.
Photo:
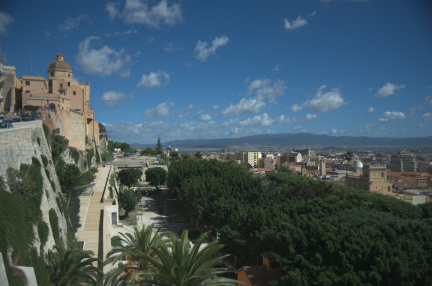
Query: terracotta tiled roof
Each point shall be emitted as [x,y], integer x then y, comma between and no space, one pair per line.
[260,276]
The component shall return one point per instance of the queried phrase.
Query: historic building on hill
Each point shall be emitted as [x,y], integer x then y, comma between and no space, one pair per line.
[63,99]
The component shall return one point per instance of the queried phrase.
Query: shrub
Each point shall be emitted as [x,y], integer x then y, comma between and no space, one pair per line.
[44,160]
[31,107]
[115,241]
[90,154]
[54,224]
[46,131]
[75,155]
[36,162]
[52,185]
[43,232]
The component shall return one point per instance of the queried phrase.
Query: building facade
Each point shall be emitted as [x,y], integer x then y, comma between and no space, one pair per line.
[403,162]
[373,179]
[65,100]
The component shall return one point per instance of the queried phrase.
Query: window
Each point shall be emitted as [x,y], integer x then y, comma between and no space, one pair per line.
[52,74]
[61,86]
[68,74]
[27,82]
[74,93]
[50,87]
[68,83]
[27,91]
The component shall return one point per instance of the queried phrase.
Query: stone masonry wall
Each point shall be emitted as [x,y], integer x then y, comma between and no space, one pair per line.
[77,130]
[17,146]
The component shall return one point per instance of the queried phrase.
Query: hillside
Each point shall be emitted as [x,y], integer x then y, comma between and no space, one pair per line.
[296,140]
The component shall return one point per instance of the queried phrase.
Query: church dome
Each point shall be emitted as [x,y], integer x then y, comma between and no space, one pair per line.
[358,164]
[59,65]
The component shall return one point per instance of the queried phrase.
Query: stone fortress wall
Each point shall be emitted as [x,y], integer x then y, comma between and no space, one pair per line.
[17,146]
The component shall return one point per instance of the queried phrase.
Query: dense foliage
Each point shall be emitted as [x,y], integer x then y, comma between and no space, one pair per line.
[123,146]
[129,177]
[321,233]
[128,200]
[72,267]
[155,259]
[156,176]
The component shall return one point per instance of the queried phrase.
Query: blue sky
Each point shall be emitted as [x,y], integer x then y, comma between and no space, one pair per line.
[216,69]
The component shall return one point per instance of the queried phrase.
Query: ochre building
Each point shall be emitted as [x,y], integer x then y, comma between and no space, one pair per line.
[63,99]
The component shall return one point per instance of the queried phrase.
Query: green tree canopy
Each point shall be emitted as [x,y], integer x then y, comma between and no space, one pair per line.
[198,155]
[177,263]
[133,247]
[156,176]
[128,200]
[72,267]
[129,177]
[148,152]
[159,146]
[174,155]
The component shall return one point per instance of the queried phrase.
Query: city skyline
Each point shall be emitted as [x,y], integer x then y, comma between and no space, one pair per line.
[207,69]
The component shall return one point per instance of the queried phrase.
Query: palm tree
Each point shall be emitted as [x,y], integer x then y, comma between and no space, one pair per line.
[177,263]
[134,247]
[72,267]
[349,155]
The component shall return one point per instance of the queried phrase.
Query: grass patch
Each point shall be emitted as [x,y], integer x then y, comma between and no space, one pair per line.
[130,220]
[142,186]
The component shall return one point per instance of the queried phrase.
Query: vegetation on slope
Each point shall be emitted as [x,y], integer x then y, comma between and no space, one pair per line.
[321,233]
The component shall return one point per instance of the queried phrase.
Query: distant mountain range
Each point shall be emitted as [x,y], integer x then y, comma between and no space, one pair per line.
[293,140]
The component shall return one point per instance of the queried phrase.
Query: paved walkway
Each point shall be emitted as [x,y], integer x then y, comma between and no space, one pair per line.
[90,214]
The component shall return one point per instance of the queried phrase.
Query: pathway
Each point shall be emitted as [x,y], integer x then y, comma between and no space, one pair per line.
[91,215]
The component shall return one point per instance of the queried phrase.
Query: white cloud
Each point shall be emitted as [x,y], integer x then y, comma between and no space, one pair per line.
[5,20]
[139,12]
[258,120]
[162,110]
[185,112]
[203,52]
[245,106]
[322,102]
[308,118]
[104,61]
[111,98]
[296,107]
[295,24]
[414,109]
[230,123]
[277,68]
[264,89]
[124,33]
[297,128]
[367,127]
[153,79]
[390,116]
[427,116]
[72,23]
[370,110]
[205,117]
[388,89]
